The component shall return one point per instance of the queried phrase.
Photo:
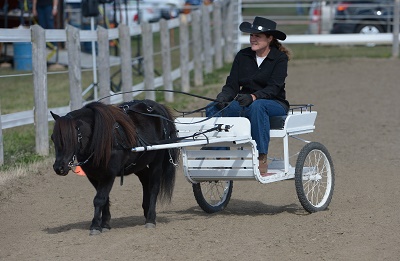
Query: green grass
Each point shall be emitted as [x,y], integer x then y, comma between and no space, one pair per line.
[17,91]
[311,51]
[274,9]
[281,12]
[19,147]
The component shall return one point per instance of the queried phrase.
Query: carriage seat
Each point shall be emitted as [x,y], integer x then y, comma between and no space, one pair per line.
[277,122]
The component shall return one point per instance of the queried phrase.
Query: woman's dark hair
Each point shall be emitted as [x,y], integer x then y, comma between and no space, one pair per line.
[281,47]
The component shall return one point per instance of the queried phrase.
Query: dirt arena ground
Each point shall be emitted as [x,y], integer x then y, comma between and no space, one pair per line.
[46,217]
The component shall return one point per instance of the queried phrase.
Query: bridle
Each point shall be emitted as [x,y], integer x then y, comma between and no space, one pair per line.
[72,163]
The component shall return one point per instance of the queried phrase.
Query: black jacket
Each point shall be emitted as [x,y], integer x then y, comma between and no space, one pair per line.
[265,82]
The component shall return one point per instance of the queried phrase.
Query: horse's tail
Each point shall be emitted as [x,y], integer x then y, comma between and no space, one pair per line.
[171,157]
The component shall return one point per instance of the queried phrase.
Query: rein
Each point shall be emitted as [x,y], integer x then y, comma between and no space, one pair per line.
[126,107]
[173,91]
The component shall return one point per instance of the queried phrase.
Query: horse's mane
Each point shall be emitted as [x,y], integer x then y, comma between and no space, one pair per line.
[105,117]
[65,134]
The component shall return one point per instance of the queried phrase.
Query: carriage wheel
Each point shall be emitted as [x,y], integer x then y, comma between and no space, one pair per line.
[314,177]
[213,196]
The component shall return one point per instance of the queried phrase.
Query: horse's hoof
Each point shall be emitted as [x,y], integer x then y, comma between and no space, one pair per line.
[94,232]
[105,229]
[150,225]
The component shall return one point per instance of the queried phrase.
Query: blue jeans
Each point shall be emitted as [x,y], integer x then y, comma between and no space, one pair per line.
[45,16]
[258,114]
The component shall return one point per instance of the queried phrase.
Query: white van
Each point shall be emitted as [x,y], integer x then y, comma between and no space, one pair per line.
[321,16]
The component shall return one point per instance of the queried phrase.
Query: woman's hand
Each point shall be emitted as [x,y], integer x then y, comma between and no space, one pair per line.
[244,99]
[222,101]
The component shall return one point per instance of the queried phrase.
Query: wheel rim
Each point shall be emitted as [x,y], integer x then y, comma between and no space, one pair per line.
[174,13]
[317,178]
[215,192]
[369,30]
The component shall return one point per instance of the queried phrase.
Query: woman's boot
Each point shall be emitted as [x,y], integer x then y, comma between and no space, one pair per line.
[263,164]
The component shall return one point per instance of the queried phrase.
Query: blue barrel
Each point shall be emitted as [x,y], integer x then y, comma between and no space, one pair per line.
[23,56]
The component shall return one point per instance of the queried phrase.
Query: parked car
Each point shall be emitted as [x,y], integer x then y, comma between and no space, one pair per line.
[132,13]
[135,10]
[321,17]
[365,17]
[168,8]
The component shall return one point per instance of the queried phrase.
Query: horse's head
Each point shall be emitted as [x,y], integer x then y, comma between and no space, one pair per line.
[66,138]
[88,136]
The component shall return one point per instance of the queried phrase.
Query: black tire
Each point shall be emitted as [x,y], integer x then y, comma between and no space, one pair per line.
[170,12]
[213,196]
[369,28]
[314,177]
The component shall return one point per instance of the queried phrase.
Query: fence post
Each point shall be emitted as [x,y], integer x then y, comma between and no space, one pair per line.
[74,67]
[217,35]
[396,21]
[1,141]
[147,47]
[197,48]
[39,69]
[104,64]
[228,32]
[126,62]
[184,53]
[207,43]
[166,60]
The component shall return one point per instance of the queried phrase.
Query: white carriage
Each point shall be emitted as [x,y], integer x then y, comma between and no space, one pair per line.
[217,151]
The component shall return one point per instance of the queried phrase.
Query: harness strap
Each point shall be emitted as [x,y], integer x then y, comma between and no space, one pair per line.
[121,140]
[121,137]
[121,182]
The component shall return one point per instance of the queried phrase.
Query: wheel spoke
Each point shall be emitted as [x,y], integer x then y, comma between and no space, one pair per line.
[315,182]
[213,196]
[215,192]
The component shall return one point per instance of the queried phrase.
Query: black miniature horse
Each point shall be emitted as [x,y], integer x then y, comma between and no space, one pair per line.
[99,138]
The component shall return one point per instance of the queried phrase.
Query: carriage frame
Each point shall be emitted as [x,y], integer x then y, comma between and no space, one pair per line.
[219,150]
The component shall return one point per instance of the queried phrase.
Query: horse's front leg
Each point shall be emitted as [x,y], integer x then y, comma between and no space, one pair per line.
[151,186]
[106,216]
[101,202]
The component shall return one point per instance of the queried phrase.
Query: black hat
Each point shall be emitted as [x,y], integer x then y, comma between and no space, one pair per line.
[262,25]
